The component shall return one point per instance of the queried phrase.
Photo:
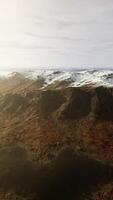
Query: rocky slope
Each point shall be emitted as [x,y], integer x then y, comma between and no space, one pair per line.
[62,78]
[56,141]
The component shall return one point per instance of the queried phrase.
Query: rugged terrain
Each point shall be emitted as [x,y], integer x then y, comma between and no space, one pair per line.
[56,139]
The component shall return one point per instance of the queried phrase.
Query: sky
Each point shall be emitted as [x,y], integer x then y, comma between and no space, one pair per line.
[54,33]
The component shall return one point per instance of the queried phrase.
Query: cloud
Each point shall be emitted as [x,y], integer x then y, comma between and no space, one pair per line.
[58,31]
[25,46]
[55,37]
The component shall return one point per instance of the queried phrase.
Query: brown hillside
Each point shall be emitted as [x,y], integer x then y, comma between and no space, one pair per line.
[38,124]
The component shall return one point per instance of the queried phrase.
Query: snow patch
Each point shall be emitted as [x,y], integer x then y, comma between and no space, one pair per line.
[75,78]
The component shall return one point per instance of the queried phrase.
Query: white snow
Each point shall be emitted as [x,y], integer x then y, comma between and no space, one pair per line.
[75,78]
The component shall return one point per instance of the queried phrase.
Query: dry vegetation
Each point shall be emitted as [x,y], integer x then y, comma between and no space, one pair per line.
[60,138]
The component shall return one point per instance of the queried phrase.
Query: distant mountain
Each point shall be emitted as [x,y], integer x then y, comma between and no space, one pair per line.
[69,78]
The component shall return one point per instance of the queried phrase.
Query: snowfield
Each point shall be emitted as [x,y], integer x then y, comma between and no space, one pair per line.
[73,78]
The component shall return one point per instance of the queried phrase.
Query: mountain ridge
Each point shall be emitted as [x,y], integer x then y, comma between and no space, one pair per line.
[42,127]
[71,78]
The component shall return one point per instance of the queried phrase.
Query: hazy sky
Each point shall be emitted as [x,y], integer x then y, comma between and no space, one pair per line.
[56,33]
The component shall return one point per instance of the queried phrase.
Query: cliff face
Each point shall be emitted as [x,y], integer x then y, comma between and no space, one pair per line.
[43,128]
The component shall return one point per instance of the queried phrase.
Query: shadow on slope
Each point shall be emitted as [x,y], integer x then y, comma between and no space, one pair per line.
[68,176]
[104,104]
[77,106]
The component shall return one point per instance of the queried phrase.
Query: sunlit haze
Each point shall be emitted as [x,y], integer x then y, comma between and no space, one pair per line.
[66,33]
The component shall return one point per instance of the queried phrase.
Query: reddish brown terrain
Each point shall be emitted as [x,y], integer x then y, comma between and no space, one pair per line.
[56,142]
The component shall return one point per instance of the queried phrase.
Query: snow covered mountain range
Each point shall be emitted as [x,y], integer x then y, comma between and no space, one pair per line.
[75,78]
